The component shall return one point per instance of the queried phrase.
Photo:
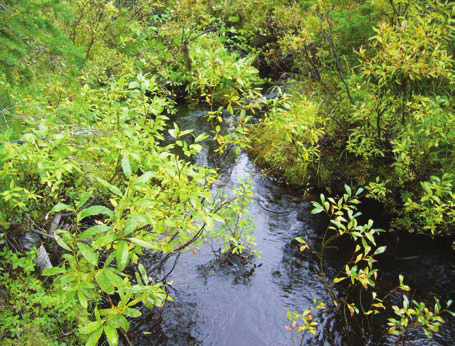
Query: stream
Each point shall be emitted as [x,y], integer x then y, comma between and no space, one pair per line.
[246,304]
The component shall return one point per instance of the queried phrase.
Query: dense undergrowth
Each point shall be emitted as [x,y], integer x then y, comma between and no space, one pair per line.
[86,88]
[85,108]
[381,113]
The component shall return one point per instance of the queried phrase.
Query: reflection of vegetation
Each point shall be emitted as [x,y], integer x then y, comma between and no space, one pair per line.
[86,87]
[307,323]
[417,315]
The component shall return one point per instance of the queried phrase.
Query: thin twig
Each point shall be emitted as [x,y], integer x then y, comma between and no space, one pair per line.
[40,231]
[329,39]
[126,337]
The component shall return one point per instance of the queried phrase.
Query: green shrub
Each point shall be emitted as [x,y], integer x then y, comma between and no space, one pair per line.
[286,142]
[219,76]
[32,312]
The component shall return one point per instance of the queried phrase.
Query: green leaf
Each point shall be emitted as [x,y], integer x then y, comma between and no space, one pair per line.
[196,147]
[90,327]
[109,259]
[93,339]
[111,334]
[90,255]
[123,323]
[144,178]
[93,230]
[97,314]
[95,210]
[195,202]
[82,299]
[53,271]
[218,218]
[113,277]
[327,206]
[359,191]
[138,279]
[143,243]
[60,207]
[317,210]
[428,333]
[114,189]
[84,199]
[136,221]
[119,321]
[121,255]
[370,237]
[143,272]
[201,137]
[126,166]
[175,132]
[103,281]
[134,85]
[61,242]
[336,280]
[103,240]
[133,312]
[380,250]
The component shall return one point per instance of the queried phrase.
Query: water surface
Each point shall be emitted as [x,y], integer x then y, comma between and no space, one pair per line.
[246,304]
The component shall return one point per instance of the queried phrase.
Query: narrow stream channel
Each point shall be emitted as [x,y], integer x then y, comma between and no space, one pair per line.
[247,304]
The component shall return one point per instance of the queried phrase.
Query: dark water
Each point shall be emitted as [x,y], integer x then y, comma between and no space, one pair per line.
[246,304]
